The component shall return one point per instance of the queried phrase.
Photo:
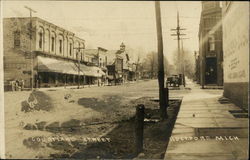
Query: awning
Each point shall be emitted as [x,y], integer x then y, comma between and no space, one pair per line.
[92,71]
[46,64]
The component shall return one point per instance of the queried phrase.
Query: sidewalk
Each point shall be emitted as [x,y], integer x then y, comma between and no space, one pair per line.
[82,86]
[206,130]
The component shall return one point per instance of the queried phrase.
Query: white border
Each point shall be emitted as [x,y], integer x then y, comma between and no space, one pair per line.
[2,131]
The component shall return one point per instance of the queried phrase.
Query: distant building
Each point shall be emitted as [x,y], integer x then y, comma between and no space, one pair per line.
[97,57]
[210,44]
[120,69]
[57,54]
[236,51]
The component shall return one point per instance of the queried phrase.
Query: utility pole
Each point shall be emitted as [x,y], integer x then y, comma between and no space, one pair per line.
[183,61]
[178,34]
[162,94]
[31,56]
[78,60]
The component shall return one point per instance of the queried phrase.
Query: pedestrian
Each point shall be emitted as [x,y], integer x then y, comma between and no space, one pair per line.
[17,86]
[13,85]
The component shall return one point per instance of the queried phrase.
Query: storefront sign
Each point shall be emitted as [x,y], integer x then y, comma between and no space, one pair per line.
[236,43]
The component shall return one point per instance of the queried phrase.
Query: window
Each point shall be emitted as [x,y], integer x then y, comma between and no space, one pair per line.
[17,39]
[52,44]
[40,40]
[211,43]
[70,49]
[60,46]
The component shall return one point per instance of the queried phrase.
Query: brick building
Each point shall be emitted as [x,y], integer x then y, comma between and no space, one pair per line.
[236,51]
[54,53]
[210,44]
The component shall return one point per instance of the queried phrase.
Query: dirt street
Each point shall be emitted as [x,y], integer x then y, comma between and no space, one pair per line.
[60,111]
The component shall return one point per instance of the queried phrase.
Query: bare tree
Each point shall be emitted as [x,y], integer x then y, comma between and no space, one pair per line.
[189,64]
[150,63]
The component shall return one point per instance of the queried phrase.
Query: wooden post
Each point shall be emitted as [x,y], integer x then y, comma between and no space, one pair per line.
[139,120]
[162,95]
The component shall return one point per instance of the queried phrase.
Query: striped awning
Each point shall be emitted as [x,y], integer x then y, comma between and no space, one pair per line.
[46,64]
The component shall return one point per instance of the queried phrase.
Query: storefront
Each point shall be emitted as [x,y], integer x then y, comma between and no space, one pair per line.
[55,72]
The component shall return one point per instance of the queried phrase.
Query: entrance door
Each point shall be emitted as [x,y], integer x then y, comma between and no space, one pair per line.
[211,71]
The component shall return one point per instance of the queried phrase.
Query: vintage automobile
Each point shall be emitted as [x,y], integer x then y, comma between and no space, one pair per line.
[173,80]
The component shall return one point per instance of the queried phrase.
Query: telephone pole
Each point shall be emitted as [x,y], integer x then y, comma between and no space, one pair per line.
[183,61]
[78,60]
[31,56]
[162,94]
[179,34]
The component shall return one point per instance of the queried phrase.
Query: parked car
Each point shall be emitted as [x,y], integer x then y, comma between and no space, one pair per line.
[173,80]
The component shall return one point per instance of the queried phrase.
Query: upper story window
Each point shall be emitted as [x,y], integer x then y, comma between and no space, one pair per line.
[70,49]
[60,46]
[211,43]
[52,44]
[17,39]
[40,40]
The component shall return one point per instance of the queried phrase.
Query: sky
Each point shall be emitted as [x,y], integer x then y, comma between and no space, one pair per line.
[109,23]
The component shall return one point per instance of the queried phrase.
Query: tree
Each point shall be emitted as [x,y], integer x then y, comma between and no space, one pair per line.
[150,63]
[168,68]
[189,63]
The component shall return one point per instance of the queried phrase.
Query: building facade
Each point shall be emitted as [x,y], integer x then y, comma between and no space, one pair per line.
[98,57]
[53,55]
[210,44]
[236,51]
[120,68]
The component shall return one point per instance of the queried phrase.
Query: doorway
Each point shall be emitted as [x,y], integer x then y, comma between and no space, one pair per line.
[211,71]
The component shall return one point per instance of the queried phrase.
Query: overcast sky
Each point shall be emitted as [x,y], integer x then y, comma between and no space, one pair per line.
[108,23]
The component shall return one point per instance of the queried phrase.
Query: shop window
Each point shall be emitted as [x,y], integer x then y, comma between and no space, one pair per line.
[17,39]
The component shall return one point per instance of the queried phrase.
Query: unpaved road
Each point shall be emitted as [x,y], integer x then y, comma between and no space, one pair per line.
[69,107]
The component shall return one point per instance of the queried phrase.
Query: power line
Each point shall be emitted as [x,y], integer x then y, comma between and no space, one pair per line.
[178,34]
